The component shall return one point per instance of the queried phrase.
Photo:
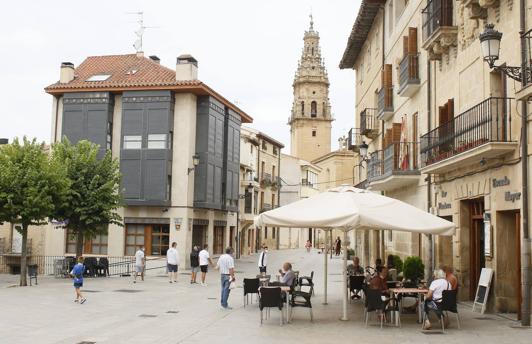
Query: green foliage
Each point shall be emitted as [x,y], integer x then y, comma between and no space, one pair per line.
[413,269]
[397,263]
[94,195]
[350,253]
[31,186]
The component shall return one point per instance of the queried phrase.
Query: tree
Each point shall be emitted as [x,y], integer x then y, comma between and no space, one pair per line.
[94,195]
[30,188]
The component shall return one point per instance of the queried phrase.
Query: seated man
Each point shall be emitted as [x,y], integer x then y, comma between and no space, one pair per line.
[355,269]
[450,277]
[287,275]
[434,297]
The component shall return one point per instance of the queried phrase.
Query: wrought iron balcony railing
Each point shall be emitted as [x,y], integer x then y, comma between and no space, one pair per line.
[488,121]
[385,102]
[437,14]
[368,122]
[408,71]
[375,165]
[399,158]
[354,139]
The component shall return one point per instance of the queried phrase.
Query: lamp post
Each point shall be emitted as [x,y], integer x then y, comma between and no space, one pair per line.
[363,151]
[490,41]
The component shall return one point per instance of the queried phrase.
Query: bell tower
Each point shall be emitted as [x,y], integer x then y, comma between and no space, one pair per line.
[310,122]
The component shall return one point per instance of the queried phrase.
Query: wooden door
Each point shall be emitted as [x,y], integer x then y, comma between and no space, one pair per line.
[218,244]
[476,244]
[518,261]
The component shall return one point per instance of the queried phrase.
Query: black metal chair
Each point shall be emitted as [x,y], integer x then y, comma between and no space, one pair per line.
[91,264]
[307,281]
[374,303]
[302,299]
[356,285]
[449,304]
[33,270]
[251,286]
[103,267]
[270,297]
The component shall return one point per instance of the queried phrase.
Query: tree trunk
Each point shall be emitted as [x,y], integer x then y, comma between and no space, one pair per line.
[23,257]
[79,243]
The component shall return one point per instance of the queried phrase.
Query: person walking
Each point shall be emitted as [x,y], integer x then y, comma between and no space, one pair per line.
[140,264]
[226,265]
[204,262]
[308,246]
[194,264]
[338,246]
[172,258]
[263,260]
[77,277]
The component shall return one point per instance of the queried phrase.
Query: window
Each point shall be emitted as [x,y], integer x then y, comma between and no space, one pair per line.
[132,142]
[262,170]
[323,109]
[251,150]
[313,109]
[273,232]
[302,108]
[160,240]
[98,245]
[311,179]
[99,77]
[155,238]
[134,238]
[157,141]
[264,145]
[313,133]
[273,172]
[248,202]
[265,232]
[274,150]
[109,135]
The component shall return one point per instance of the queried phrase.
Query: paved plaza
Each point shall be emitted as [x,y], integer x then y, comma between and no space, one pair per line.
[118,311]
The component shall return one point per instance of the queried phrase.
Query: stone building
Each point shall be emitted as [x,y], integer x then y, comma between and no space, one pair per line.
[260,167]
[178,143]
[443,133]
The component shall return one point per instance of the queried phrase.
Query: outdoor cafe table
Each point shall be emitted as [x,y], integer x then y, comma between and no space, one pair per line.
[395,292]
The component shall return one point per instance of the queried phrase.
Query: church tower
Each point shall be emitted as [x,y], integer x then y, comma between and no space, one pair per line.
[310,122]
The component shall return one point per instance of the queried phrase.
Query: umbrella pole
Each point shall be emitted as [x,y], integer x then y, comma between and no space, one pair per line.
[325,274]
[344,279]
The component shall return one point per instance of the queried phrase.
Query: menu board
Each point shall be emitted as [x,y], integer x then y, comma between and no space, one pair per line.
[483,290]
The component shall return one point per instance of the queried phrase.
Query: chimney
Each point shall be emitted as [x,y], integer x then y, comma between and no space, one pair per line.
[67,72]
[186,68]
[155,59]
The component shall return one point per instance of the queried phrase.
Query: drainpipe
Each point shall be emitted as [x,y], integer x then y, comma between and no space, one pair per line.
[525,243]
[429,176]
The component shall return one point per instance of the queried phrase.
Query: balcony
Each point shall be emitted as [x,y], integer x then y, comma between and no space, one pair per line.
[481,132]
[525,93]
[354,139]
[439,33]
[368,123]
[385,103]
[409,75]
[265,207]
[394,167]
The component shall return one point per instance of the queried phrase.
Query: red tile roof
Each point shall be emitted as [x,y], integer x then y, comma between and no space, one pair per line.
[133,72]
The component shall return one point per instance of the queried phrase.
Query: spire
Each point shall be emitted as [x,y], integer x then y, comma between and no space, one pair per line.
[311,22]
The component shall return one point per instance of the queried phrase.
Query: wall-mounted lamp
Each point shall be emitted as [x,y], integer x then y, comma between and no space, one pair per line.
[195,162]
[363,150]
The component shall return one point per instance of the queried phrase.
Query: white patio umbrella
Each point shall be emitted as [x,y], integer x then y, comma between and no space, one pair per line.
[348,208]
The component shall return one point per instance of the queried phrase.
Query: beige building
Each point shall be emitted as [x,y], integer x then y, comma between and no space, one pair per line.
[260,167]
[443,132]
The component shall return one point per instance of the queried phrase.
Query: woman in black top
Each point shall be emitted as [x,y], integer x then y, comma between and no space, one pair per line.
[194,264]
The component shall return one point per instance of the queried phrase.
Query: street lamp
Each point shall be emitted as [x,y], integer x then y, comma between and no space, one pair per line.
[363,149]
[195,162]
[490,43]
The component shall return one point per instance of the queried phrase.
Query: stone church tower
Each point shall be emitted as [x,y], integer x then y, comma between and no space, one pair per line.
[310,123]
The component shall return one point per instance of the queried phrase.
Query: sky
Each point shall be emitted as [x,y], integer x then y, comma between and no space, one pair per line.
[247,50]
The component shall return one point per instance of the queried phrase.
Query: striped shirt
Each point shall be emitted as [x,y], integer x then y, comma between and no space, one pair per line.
[225,262]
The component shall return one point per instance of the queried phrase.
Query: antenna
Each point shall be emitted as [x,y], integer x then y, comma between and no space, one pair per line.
[140,32]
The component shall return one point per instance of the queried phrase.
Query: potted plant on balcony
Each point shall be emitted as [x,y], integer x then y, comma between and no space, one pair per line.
[264,183]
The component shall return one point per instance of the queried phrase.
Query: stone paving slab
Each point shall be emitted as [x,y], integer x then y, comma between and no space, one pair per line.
[155,311]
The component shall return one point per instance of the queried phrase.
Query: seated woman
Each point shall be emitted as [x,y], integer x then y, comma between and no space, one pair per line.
[434,297]
[355,269]
[379,282]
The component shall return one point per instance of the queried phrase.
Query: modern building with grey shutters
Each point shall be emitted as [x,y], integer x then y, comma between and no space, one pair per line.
[178,142]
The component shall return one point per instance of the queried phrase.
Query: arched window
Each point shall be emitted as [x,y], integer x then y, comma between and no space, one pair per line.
[324,110]
[313,109]
[312,51]
[302,108]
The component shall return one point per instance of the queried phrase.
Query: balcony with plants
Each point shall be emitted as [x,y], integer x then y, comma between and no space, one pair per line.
[394,167]
[439,30]
[478,134]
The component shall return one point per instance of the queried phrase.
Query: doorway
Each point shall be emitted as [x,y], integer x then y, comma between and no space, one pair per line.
[508,270]
[477,259]
[218,242]
[199,235]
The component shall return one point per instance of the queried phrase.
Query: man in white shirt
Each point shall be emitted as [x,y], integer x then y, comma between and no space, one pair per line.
[434,296]
[140,264]
[172,258]
[226,264]
[263,259]
[204,262]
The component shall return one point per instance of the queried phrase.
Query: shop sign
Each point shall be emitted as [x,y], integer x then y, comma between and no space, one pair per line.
[512,196]
[177,223]
[487,234]
[500,182]
[444,205]
[443,194]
